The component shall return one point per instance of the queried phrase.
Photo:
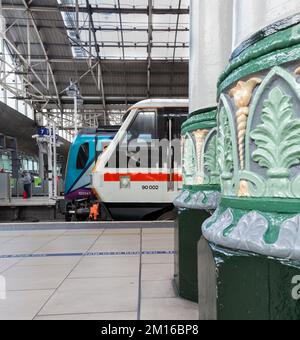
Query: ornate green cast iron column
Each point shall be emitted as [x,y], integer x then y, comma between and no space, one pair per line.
[201,190]
[200,195]
[254,235]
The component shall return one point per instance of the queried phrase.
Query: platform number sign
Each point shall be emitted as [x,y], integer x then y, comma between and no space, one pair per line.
[296,288]
[42,131]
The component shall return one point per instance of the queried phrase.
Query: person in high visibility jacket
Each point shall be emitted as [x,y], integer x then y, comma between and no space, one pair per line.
[94,212]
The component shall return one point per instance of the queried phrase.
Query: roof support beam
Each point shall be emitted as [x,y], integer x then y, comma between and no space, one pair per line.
[17,54]
[13,87]
[90,13]
[54,60]
[114,44]
[149,47]
[138,84]
[112,71]
[123,51]
[112,10]
[174,51]
[109,29]
[44,51]
[176,31]
[77,18]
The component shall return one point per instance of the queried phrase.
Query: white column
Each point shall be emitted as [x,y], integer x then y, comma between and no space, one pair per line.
[210,49]
[250,16]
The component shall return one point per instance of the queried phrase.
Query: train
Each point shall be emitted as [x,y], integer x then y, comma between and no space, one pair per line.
[139,175]
[88,145]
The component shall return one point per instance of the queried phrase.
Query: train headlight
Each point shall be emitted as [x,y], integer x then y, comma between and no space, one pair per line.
[124,182]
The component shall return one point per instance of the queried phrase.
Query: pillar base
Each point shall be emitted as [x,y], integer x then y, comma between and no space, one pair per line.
[187,234]
[255,287]
[255,245]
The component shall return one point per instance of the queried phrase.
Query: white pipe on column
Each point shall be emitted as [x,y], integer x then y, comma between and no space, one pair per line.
[41,162]
[76,115]
[210,48]
[250,16]
[50,163]
[54,162]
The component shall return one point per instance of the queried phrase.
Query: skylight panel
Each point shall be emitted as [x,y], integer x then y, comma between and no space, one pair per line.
[134,39]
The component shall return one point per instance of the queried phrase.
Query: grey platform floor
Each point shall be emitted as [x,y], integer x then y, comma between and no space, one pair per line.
[101,273]
[32,202]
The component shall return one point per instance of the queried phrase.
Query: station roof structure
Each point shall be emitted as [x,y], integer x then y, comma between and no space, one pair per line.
[118,52]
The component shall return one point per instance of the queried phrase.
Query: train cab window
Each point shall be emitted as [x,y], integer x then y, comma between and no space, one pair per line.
[143,127]
[82,156]
[170,120]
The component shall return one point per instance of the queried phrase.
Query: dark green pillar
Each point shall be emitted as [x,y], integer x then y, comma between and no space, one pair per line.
[187,235]
[200,196]
[256,288]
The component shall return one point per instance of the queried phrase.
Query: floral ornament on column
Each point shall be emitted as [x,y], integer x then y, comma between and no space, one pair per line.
[211,162]
[189,160]
[182,141]
[242,95]
[200,136]
[225,153]
[278,142]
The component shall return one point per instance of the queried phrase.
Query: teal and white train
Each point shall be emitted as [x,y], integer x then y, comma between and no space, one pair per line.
[84,152]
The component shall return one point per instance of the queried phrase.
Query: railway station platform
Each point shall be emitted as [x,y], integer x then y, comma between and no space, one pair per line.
[34,209]
[102,271]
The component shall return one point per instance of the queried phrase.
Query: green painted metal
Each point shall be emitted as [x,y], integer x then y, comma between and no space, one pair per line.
[187,235]
[225,157]
[193,161]
[207,111]
[278,143]
[276,72]
[210,154]
[274,205]
[260,187]
[200,121]
[199,126]
[205,187]
[260,64]
[277,26]
[277,135]
[225,153]
[229,180]
[257,185]
[188,225]
[189,159]
[260,205]
[211,162]
[281,40]
[274,219]
[255,287]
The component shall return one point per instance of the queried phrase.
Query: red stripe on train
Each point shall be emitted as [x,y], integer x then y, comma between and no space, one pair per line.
[138,177]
